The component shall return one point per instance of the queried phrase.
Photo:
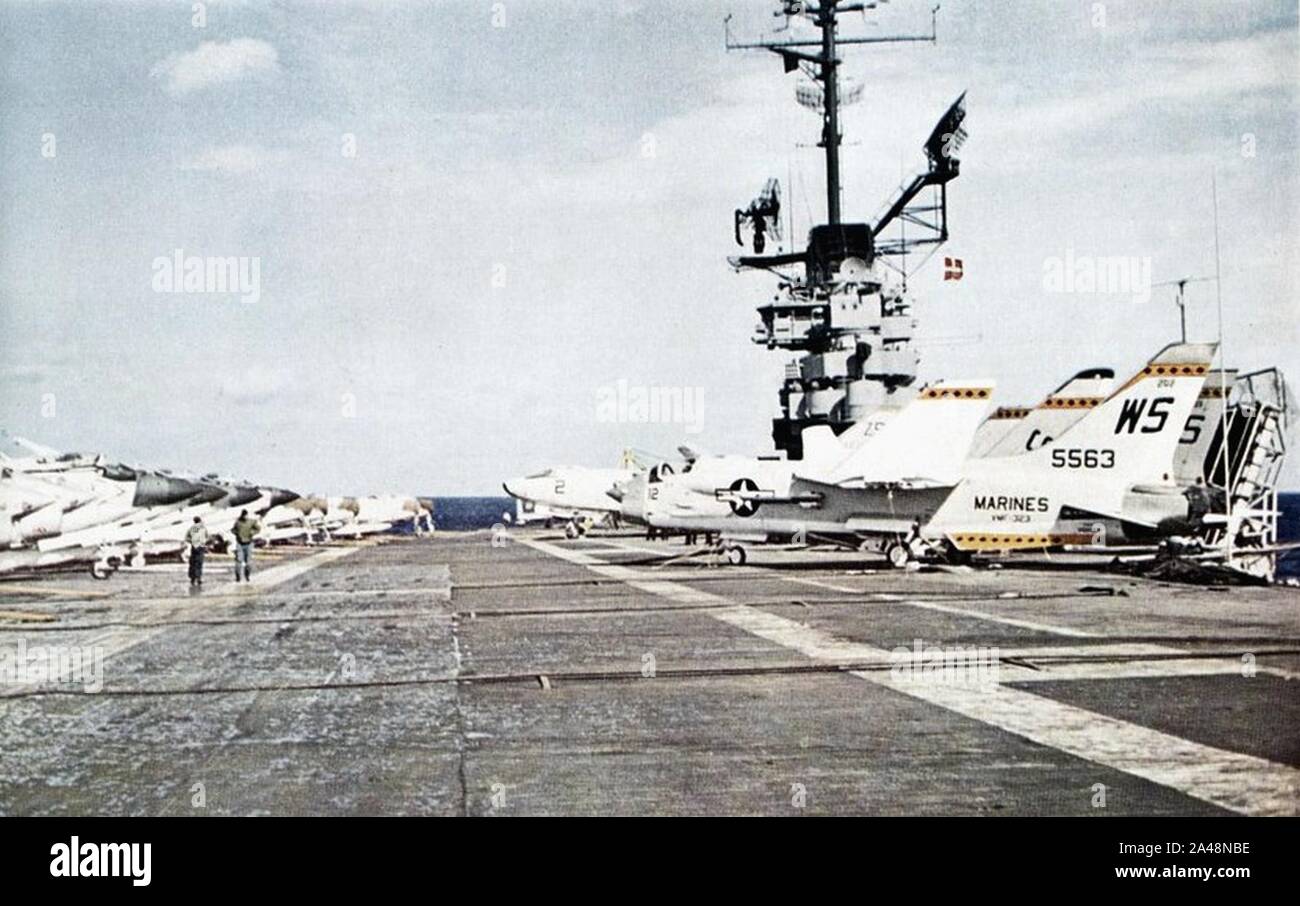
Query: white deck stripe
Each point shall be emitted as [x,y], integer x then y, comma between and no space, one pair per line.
[1231,780]
[1129,670]
[826,585]
[996,618]
[295,568]
[1114,670]
[946,608]
[614,545]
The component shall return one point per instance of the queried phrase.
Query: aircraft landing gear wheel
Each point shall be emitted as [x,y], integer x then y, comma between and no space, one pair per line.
[898,554]
[571,530]
[735,555]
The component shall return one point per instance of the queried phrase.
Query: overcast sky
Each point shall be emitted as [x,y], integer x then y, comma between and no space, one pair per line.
[537,211]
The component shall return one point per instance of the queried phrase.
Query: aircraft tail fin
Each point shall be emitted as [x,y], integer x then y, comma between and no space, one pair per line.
[1135,430]
[821,448]
[928,440]
[1055,414]
[1192,463]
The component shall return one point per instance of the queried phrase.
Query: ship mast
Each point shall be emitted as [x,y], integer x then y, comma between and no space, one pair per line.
[852,330]
[823,67]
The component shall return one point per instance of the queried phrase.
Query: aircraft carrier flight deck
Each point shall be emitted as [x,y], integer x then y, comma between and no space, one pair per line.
[523,673]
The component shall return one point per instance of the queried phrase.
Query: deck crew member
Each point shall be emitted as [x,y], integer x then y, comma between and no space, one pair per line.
[197,539]
[245,529]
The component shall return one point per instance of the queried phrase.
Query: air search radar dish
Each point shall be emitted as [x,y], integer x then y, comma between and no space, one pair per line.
[810,94]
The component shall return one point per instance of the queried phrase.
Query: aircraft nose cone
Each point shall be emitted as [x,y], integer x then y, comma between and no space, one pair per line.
[152,489]
[241,496]
[279,497]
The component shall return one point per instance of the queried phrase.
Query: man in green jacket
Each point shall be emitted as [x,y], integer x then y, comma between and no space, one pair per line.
[245,530]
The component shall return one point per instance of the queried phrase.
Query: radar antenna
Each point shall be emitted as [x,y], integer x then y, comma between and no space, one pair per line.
[1180,300]
[824,69]
[763,216]
[942,166]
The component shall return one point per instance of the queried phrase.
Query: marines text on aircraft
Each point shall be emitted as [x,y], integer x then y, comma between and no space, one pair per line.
[1108,478]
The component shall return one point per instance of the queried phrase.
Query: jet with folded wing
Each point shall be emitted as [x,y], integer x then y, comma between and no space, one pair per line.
[1109,478]
[922,442]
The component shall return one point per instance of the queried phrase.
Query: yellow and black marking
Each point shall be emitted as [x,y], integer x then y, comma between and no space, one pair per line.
[1011,412]
[1072,402]
[956,393]
[1189,369]
[1009,541]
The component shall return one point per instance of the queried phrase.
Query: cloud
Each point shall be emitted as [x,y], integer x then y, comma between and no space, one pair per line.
[256,384]
[24,374]
[1201,77]
[235,159]
[213,62]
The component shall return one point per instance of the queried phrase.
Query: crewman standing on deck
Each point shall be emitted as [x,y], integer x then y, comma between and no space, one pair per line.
[246,529]
[197,539]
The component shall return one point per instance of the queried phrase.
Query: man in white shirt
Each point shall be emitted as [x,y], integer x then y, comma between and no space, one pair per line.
[197,539]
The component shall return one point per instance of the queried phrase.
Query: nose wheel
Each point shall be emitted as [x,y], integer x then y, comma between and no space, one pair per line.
[732,554]
[899,554]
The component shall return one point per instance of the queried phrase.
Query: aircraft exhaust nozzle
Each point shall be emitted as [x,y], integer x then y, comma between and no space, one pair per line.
[154,489]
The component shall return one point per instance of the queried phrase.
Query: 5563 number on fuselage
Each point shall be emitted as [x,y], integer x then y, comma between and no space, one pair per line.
[1083,459]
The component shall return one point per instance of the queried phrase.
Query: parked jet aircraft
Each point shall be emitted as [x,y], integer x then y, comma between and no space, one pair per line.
[1111,474]
[569,493]
[58,510]
[759,499]
[1109,477]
